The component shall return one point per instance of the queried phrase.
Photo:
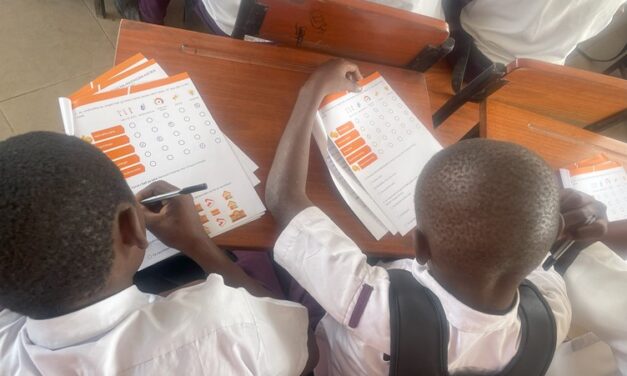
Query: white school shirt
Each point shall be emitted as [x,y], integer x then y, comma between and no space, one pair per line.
[547,30]
[224,12]
[596,282]
[430,8]
[355,332]
[206,329]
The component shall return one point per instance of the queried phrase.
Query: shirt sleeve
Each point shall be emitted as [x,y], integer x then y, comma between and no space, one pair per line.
[596,283]
[553,288]
[282,332]
[333,270]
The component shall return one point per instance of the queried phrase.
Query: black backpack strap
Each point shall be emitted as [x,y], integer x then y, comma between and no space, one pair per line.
[538,334]
[418,328]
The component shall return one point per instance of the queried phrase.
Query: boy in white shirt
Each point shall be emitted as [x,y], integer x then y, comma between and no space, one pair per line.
[487,215]
[73,235]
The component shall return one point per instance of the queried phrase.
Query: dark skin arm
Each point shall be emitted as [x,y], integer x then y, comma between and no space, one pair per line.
[177,225]
[285,187]
[616,237]
[575,208]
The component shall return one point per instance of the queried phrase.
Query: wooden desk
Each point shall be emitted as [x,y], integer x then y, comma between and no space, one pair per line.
[557,142]
[440,90]
[562,93]
[357,29]
[250,90]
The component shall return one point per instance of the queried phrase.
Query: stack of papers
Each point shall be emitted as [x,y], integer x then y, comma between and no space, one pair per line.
[375,148]
[601,178]
[156,127]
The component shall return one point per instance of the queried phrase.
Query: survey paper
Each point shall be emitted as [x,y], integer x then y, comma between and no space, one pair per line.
[162,130]
[383,144]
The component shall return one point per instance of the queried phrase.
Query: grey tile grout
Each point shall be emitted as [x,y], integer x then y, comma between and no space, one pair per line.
[46,86]
[6,120]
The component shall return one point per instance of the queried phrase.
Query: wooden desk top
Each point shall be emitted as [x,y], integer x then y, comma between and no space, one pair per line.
[563,93]
[250,90]
[557,142]
[440,90]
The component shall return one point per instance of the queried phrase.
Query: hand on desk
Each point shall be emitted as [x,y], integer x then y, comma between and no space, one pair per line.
[175,222]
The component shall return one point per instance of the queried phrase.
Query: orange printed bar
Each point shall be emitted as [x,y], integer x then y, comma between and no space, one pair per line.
[598,167]
[370,158]
[346,150]
[369,79]
[347,138]
[599,158]
[127,161]
[107,133]
[132,171]
[345,128]
[204,219]
[120,152]
[359,154]
[112,143]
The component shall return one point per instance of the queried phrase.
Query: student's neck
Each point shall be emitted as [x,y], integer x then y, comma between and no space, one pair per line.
[495,296]
[112,288]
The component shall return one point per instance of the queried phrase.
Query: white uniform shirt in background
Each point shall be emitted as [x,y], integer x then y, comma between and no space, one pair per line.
[224,12]
[547,30]
[430,8]
[206,329]
[597,286]
[355,333]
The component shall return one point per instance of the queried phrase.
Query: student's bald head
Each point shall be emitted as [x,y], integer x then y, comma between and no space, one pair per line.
[487,207]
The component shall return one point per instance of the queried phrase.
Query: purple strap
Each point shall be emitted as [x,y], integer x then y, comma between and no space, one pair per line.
[360,306]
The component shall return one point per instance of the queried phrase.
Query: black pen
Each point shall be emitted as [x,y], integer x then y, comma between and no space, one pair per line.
[563,246]
[165,196]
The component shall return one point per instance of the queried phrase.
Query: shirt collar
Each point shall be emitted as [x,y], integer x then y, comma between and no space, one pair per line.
[88,323]
[461,316]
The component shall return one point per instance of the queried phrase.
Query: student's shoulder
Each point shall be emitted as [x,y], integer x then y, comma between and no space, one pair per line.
[214,304]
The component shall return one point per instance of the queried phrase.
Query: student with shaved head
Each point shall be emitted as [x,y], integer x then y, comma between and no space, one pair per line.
[474,300]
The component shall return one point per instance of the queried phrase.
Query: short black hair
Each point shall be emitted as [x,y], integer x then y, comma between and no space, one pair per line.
[58,199]
[488,207]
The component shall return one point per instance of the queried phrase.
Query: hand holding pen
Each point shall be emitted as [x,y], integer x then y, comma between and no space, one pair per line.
[584,220]
[170,214]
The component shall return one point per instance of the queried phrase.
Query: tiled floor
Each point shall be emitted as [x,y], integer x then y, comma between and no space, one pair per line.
[52,47]
[49,49]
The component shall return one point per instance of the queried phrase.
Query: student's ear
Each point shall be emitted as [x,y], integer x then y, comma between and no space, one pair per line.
[129,232]
[421,246]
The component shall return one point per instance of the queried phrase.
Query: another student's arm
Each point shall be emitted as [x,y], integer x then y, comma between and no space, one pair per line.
[177,225]
[285,187]
[616,238]
[322,259]
[576,207]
